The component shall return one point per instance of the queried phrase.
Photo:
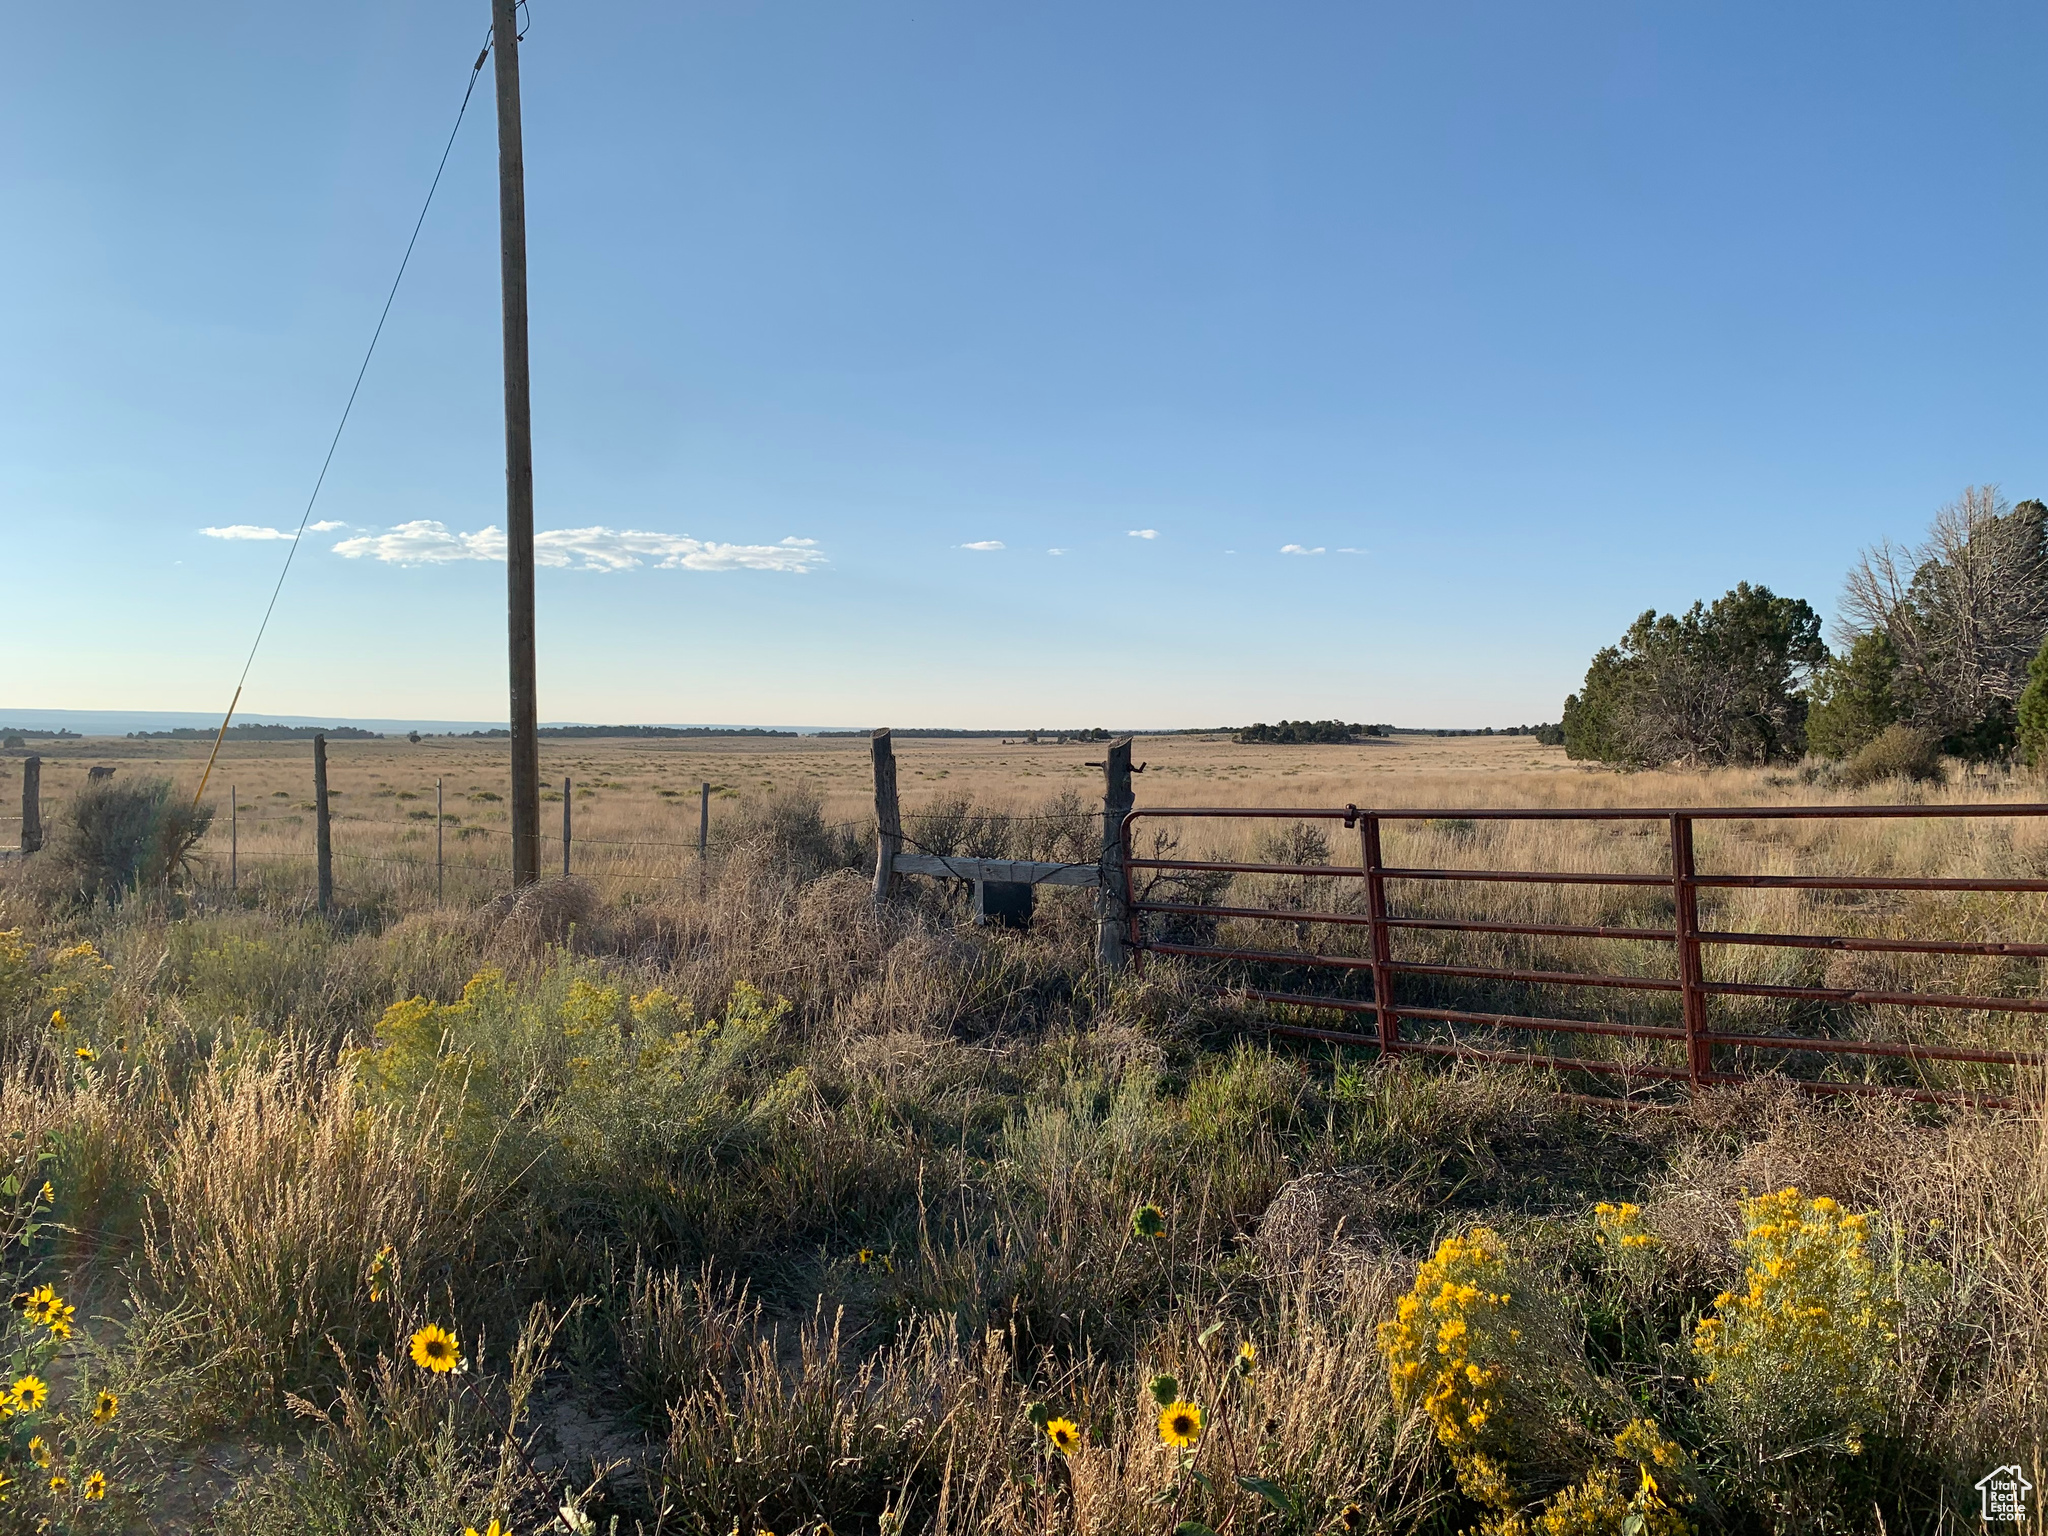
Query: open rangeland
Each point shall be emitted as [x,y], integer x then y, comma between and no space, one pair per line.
[710,1197]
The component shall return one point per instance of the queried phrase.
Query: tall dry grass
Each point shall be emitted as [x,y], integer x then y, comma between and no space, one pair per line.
[810,1264]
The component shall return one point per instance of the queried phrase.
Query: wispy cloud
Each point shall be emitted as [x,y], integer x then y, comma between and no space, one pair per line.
[1302,549]
[1144,533]
[426,542]
[984,544]
[1349,551]
[252,531]
[1055,551]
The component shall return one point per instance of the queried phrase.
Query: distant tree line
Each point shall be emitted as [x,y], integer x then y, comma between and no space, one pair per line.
[1298,732]
[662,732]
[254,732]
[1941,645]
[1551,735]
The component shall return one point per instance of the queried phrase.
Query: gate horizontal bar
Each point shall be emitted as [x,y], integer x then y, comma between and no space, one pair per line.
[1460,1016]
[1015,871]
[1856,883]
[1886,999]
[1250,869]
[1526,877]
[1884,1048]
[1876,946]
[1192,909]
[1552,978]
[1364,920]
[1262,956]
[1523,1021]
[1541,930]
[1639,813]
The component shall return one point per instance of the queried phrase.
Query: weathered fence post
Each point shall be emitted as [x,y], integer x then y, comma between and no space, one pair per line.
[1382,945]
[31,804]
[704,822]
[323,840]
[566,785]
[1112,940]
[888,818]
[440,832]
[234,841]
[1685,922]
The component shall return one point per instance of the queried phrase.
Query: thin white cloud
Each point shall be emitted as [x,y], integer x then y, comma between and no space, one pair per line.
[1144,533]
[1302,549]
[984,544]
[252,531]
[426,542]
[1349,551]
[1055,551]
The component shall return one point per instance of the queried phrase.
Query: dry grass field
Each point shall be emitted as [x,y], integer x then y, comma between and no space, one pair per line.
[747,1206]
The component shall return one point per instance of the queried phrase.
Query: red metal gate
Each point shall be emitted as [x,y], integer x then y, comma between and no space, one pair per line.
[1689,982]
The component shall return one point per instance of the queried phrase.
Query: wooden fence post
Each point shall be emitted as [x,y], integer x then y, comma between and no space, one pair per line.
[234,841]
[888,818]
[1685,923]
[704,822]
[323,840]
[566,786]
[31,804]
[1112,945]
[1374,863]
[440,832]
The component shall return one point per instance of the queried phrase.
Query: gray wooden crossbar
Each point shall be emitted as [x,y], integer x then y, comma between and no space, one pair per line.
[1016,871]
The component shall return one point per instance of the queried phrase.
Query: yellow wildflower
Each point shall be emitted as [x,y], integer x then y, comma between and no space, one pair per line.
[435,1349]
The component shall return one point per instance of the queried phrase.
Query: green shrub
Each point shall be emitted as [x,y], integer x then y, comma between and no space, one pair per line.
[1897,752]
[116,838]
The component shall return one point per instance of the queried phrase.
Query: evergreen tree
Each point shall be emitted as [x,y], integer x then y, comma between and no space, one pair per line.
[2032,722]
[1713,685]
[1855,697]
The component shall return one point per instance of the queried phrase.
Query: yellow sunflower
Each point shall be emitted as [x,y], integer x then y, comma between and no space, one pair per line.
[39,1451]
[104,1407]
[1180,1425]
[30,1393]
[434,1349]
[60,1484]
[494,1529]
[95,1485]
[86,1053]
[1065,1436]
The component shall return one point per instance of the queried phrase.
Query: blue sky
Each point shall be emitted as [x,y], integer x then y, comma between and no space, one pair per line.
[1526,318]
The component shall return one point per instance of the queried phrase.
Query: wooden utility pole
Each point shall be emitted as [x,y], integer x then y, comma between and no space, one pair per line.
[1112,947]
[31,804]
[888,820]
[518,450]
[323,837]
